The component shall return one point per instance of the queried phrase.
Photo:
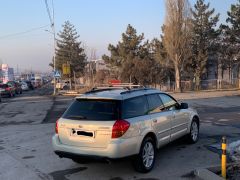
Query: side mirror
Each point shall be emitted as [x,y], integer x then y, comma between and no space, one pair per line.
[184,106]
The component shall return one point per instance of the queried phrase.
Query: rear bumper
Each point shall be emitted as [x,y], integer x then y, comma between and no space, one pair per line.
[118,148]
[83,158]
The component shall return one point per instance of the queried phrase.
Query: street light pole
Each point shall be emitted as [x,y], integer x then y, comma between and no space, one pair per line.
[54,55]
[51,18]
[54,59]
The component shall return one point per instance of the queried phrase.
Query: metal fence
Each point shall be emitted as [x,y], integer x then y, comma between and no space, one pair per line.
[213,84]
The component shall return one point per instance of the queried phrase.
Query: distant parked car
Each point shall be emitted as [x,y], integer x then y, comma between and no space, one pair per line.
[24,86]
[19,88]
[7,90]
[63,85]
[30,85]
[1,89]
[16,85]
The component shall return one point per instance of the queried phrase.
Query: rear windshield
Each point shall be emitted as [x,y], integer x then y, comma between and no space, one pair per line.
[92,109]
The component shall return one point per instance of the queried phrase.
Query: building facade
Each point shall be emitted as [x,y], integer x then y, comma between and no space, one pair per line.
[6,74]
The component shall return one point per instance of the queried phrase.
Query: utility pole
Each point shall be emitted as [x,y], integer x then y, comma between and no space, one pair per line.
[54,42]
[54,55]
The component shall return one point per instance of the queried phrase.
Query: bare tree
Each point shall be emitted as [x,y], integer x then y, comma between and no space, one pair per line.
[176,36]
[92,65]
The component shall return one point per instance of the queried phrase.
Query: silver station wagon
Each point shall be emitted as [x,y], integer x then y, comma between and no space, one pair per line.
[114,123]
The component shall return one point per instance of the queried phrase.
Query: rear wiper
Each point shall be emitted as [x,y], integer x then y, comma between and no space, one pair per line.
[76,117]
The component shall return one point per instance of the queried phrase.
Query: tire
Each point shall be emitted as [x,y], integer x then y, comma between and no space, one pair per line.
[145,165]
[193,136]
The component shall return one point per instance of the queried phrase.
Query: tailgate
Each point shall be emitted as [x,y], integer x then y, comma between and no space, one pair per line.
[95,134]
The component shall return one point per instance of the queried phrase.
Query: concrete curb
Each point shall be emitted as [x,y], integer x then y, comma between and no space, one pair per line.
[206,174]
[71,95]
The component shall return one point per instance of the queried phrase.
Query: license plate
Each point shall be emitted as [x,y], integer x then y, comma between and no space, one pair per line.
[82,133]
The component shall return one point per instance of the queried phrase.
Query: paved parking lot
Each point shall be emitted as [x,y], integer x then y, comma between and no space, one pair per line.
[27,124]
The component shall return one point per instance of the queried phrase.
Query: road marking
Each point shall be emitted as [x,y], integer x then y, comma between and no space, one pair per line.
[223,120]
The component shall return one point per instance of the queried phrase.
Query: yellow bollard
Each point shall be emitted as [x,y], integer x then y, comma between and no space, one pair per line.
[224,157]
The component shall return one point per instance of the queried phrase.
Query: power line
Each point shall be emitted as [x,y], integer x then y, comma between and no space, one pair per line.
[51,18]
[23,32]
[48,12]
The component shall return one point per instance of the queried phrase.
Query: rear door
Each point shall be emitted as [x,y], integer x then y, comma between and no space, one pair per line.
[89,122]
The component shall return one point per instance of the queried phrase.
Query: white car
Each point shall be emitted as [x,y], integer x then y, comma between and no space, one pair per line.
[24,86]
[118,123]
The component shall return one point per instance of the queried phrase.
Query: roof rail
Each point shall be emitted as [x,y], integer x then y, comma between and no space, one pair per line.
[99,89]
[136,89]
[129,87]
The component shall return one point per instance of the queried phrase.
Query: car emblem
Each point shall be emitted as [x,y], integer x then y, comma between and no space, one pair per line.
[80,126]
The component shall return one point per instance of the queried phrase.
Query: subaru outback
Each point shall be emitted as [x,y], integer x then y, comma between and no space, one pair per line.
[118,123]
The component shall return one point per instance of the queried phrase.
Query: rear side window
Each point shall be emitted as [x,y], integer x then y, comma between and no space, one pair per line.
[93,109]
[135,107]
[155,103]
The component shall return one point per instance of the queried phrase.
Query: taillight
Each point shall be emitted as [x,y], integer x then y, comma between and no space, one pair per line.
[119,128]
[56,127]
[8,89]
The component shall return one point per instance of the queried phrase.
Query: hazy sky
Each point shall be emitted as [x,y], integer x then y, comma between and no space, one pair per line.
[98,22]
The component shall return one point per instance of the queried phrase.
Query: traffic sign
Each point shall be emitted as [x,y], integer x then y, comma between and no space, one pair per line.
[57,74]
[66,69]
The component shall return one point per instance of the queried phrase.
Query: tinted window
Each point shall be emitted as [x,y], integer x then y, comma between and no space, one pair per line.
[168,102]
[155,103]
[89,109]
[135,107]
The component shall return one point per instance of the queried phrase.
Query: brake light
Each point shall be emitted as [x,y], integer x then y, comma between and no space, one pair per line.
[119,128]
[56,127]
[8,89]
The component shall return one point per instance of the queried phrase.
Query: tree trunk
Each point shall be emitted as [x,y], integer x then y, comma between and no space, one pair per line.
[238,76]
[177,79]
[237,73]
[229,73]
[222,72]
